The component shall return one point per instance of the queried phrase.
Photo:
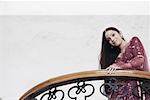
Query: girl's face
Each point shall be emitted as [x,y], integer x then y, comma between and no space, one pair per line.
[113,37]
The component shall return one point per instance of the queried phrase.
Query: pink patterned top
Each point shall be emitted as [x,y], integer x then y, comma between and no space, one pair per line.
[132,57]
[134,54]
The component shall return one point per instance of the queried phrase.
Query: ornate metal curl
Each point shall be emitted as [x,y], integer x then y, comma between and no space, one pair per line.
[145,88]
[81,89]
[52,94]
[112,86]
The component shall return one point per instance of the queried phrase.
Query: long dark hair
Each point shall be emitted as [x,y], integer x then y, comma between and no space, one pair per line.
[108,53]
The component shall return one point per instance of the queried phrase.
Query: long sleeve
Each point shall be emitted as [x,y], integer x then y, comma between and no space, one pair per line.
[119,62]
[138,52]
[138,56]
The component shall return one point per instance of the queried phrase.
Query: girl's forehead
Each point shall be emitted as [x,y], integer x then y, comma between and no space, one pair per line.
[108,33]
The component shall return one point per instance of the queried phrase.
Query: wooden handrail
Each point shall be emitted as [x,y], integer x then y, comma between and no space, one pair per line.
[86,74]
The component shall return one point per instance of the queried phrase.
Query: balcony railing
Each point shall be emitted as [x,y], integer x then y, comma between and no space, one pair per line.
[88,85]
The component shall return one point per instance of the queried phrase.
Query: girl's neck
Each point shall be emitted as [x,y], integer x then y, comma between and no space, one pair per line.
[123,45]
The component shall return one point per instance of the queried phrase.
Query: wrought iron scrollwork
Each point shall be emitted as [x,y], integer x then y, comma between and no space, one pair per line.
[117,88]
[144,87]
[112,86]
[53,94]
[81,89]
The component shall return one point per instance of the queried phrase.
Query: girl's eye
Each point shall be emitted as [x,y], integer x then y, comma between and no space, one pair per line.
[113,34]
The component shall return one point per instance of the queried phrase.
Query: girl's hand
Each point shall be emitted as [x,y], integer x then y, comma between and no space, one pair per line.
[112,68]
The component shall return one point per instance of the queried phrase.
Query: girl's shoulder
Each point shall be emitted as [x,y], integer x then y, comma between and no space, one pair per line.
[135,39]
[135,42]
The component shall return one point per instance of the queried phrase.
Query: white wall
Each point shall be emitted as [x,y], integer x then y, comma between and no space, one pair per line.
[34,48]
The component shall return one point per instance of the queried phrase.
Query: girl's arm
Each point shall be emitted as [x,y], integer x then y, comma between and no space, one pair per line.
[138,53]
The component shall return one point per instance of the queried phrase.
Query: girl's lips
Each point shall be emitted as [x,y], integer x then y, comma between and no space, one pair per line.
[114,42]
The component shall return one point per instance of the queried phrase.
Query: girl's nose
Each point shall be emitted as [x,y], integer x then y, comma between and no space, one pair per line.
[112,39]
